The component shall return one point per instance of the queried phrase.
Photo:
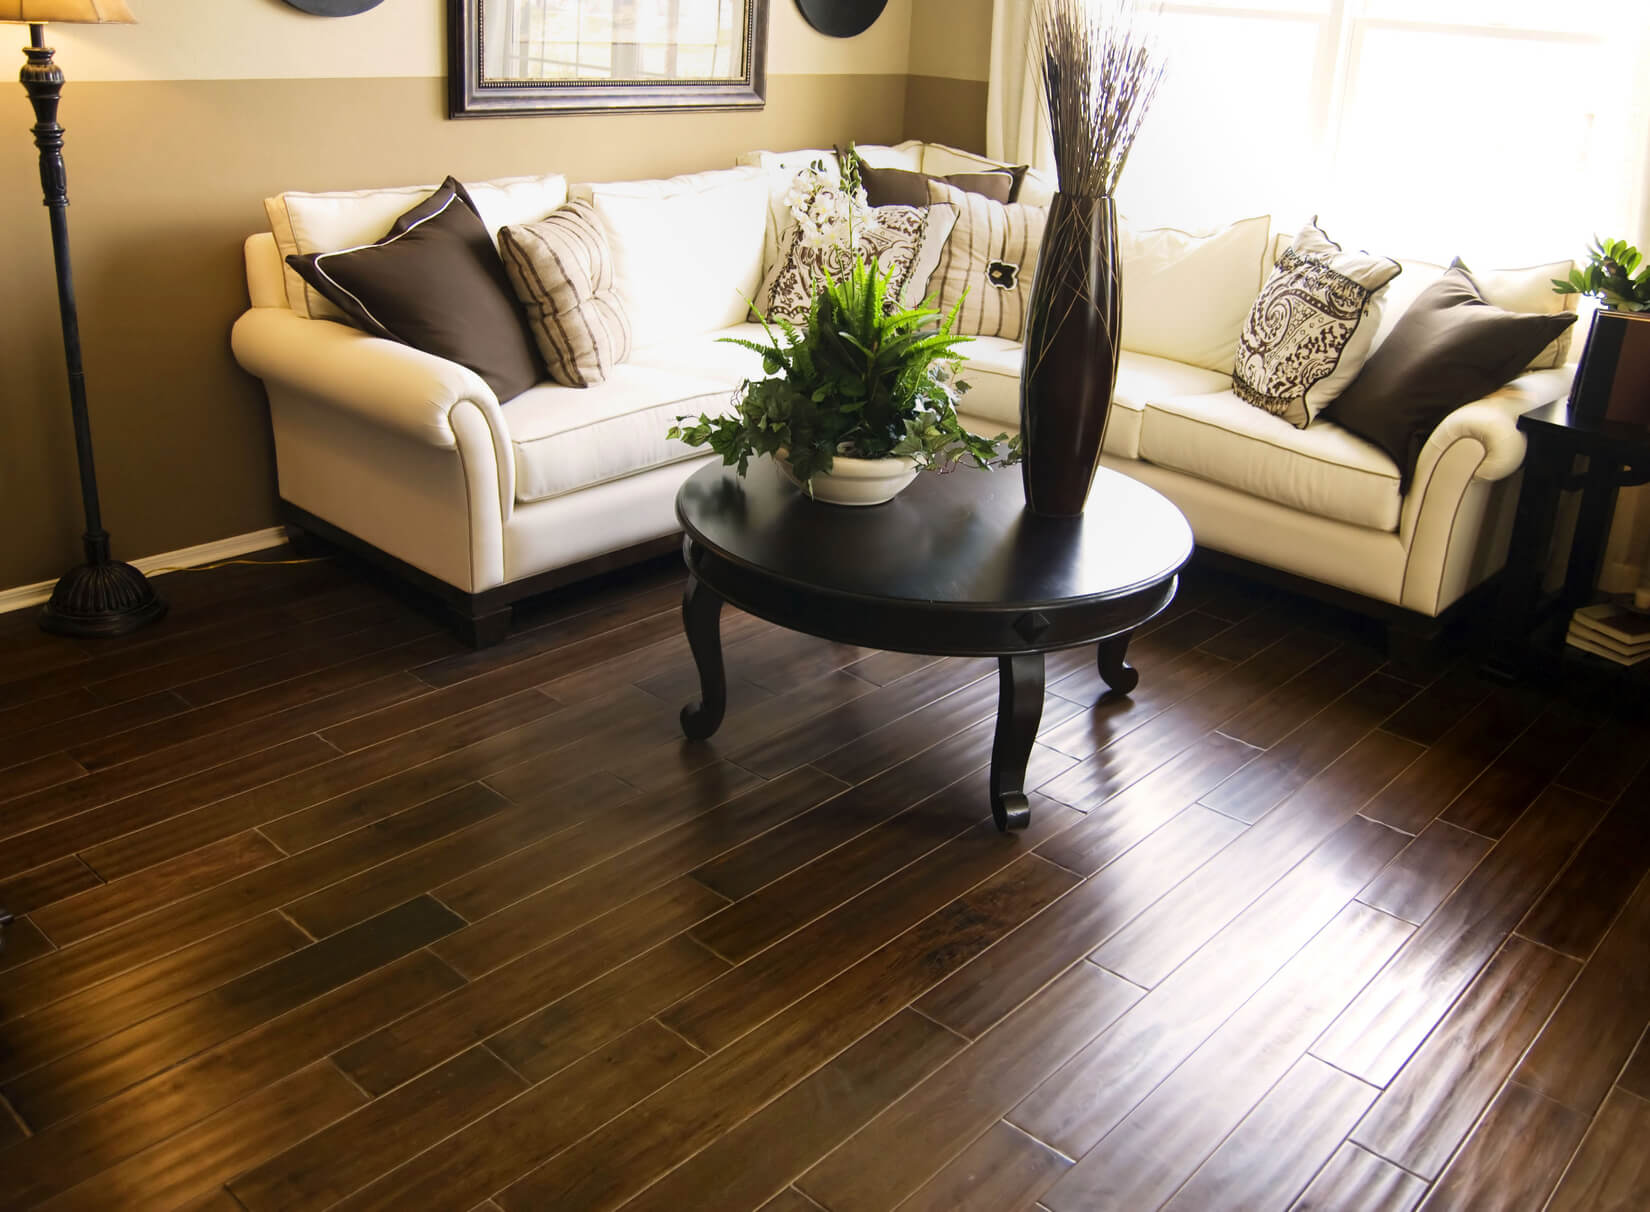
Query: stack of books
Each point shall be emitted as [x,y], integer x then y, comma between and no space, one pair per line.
[1612,632]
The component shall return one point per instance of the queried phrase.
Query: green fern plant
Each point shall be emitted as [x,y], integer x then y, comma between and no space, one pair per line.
[858,378]
[1609,277]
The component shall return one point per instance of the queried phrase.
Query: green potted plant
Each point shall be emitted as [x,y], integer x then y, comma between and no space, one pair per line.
[860,396]
[1608,277]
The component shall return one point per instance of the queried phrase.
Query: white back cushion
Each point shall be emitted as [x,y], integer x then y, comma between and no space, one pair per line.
[327,222]
[1185,295]
[788,163]
[687,252]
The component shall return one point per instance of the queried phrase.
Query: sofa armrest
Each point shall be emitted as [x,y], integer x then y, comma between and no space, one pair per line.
[1490,426]
[396,387]
[1451,523]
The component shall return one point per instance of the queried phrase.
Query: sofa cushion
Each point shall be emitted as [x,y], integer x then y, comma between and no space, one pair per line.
[992,372]
[1322,470]
[565,439]
[787,164]
[1311,327]
[435,282]
[687,252]
[562,271]
[310,223]
[1186,295]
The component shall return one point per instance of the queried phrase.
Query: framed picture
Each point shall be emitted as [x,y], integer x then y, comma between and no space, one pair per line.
[595,56]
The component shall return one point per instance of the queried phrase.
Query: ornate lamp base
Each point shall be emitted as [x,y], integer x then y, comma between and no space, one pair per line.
[101,599]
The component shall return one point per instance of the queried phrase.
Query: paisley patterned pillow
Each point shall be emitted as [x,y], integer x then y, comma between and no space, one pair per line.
[1312,327]
[906,241]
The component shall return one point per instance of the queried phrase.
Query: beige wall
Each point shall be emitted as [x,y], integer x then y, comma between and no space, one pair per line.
[951,39]
[178,127]
[949,64]
[262,39]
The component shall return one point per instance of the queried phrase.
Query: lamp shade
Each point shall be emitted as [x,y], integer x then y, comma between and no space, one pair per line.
[79,12]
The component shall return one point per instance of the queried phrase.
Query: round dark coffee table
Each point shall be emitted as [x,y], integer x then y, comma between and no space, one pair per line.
[953,566]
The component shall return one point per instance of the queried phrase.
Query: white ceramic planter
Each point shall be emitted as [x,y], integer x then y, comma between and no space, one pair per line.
[858,481]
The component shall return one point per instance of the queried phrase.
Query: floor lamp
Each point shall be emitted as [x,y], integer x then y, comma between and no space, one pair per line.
[100,597]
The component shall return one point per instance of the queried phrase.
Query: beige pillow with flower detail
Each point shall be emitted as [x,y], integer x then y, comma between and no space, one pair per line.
[988,263]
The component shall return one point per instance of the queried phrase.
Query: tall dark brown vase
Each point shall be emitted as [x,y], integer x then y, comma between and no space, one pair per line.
[1071,346]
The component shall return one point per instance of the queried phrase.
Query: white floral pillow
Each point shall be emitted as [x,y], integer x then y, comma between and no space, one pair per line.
[904,242]
[1312,328]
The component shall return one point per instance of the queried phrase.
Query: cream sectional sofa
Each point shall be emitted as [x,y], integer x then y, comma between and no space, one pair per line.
[410,458]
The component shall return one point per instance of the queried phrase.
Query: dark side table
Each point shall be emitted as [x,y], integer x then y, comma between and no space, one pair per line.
[1529,629]
[953,566]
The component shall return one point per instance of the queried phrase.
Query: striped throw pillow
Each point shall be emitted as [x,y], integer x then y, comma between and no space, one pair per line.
[562,271]
[988,262]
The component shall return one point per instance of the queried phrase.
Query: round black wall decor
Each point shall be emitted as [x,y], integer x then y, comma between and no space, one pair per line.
[334,8]
[841,18]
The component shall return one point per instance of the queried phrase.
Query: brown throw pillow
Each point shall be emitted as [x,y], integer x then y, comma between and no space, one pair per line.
[1450,349]
[562,270]
[901,187]
[435,282]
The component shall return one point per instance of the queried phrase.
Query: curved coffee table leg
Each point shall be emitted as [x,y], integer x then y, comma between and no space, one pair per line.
[1019,711]
[1115,671]
[702,619]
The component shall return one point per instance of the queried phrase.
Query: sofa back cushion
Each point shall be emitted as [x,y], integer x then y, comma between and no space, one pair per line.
[687,251]
[1186,295]
[305,223]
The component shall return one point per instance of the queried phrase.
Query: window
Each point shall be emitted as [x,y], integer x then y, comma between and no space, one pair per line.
[615,39]
[1502,130]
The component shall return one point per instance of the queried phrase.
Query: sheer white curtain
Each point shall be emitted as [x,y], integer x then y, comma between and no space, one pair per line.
[1016,121]
[1506,132]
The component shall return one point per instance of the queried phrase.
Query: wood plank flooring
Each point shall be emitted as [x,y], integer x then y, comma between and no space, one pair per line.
[318,909]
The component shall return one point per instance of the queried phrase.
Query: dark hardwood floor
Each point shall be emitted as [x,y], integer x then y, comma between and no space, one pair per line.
[316,908]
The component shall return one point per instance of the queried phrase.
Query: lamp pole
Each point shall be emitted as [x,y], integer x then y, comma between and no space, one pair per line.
[101,597]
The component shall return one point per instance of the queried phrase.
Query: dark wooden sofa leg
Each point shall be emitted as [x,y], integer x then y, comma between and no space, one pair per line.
[1415,642]
[481,627]
[304,545]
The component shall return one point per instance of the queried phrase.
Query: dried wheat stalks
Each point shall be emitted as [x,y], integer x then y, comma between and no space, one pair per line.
[1099,67]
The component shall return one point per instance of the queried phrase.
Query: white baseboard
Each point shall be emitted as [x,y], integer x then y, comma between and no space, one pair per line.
[206,553]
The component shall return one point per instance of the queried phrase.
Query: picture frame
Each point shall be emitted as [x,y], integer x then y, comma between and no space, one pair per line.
[537,57]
